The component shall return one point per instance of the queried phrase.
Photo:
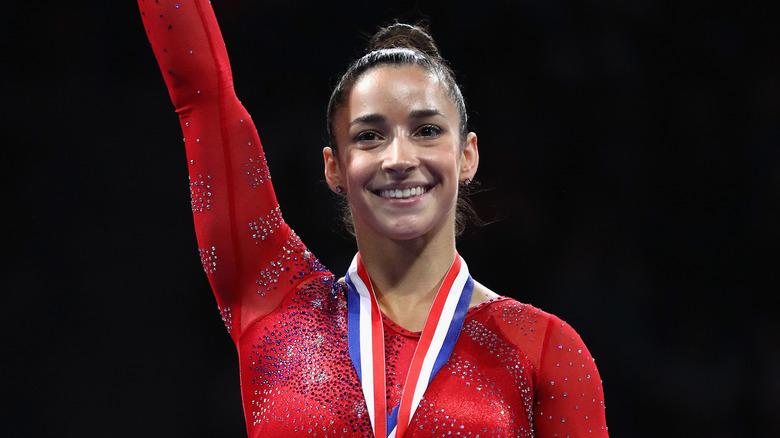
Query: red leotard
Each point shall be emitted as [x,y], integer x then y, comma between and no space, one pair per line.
[515,370]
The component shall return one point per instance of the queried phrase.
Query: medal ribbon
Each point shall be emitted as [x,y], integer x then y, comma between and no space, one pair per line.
[365,334]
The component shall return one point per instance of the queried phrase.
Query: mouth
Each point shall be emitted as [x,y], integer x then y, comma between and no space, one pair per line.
[405,193]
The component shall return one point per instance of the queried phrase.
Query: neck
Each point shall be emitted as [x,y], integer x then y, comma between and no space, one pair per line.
[407,274]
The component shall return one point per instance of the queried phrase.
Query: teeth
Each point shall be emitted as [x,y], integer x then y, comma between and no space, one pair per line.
[403,194]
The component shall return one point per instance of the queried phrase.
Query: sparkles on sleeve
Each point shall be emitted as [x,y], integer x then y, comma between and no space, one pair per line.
[252,258]
[569,399]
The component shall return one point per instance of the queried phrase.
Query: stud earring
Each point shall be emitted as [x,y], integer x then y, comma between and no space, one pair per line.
[467,181]
[339,189]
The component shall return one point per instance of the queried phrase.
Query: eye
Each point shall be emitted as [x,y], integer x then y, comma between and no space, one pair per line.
[366,136]
[429,131]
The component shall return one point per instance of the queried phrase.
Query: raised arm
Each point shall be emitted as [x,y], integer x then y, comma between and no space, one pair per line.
[251,256]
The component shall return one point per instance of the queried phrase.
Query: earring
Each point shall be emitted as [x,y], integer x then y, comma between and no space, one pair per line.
[339,189]
[467,181]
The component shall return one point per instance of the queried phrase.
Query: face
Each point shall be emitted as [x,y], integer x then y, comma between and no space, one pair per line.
[400,154]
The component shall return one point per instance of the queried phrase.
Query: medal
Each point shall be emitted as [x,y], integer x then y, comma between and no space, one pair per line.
[365,334]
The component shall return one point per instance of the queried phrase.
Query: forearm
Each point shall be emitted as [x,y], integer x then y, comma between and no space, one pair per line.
[189,48]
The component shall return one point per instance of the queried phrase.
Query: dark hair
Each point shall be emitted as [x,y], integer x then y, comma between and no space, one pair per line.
[403,44]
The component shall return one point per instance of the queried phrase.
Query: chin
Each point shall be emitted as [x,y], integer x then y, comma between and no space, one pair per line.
[400,233]
[417,222]
[405,236]
[407,230]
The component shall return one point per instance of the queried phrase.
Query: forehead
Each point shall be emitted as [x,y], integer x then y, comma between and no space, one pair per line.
[388,89]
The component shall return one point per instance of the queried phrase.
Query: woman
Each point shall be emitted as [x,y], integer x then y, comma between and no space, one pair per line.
[408,344]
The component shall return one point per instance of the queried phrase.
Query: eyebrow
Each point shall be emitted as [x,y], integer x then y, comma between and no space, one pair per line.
[379,118]
[368,118]
[425,113]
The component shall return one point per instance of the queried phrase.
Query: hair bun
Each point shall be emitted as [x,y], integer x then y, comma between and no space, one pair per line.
[405,36]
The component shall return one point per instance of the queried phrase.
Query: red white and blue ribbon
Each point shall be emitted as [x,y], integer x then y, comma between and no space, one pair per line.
[367,350]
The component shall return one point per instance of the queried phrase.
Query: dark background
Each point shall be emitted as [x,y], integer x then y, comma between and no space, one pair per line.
[629,156]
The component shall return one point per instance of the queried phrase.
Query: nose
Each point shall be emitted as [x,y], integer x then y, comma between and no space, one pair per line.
[400,156]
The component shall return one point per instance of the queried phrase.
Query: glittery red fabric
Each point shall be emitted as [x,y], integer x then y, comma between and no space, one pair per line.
[515,371]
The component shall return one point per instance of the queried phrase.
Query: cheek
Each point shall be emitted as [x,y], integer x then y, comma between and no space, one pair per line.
[358,169]
[447,162]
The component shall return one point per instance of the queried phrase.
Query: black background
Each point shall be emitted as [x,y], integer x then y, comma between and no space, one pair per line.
[629,154]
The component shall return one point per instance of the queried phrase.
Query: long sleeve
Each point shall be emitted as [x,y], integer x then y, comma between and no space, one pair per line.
[569,400]
[252,258]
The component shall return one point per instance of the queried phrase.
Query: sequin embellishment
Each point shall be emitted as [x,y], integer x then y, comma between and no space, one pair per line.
[257,171]
[293,254]
[200,193]
[266,225]
[227,318]
[208,257]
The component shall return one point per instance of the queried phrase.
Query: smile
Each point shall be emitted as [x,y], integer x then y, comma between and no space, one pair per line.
[402,193]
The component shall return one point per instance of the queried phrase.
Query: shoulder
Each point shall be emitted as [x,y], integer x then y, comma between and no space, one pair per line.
[547,328]
[531,329]
[513,312]
[507,310]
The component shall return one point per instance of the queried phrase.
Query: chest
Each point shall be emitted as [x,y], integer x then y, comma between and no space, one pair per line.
[297,378]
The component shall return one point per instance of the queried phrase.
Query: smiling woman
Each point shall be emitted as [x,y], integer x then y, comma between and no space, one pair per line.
[408,344]
[397,134]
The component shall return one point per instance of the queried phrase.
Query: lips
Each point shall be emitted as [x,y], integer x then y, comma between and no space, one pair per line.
[402,193]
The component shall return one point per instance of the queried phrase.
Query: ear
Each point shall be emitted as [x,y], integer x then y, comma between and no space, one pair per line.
[332,169]
[469,158]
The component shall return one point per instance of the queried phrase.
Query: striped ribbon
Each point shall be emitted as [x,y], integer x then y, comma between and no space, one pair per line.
[367,349]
